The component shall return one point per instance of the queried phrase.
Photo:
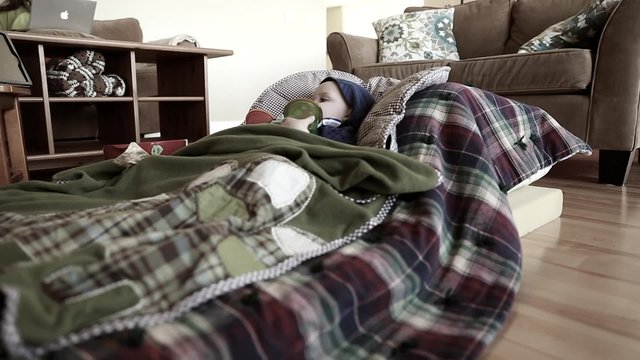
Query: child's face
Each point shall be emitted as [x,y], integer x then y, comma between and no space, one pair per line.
[330,100]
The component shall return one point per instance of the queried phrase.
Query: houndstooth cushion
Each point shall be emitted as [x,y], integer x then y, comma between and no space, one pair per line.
[273,99]
[379,126]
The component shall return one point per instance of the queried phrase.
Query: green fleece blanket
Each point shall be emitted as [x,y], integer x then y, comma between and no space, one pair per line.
[110,245]
[340,165]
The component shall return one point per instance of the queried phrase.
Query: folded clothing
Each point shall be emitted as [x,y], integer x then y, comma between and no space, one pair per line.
[81,75]
[179,40]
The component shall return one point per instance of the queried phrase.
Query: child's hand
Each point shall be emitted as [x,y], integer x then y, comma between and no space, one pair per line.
[298,124]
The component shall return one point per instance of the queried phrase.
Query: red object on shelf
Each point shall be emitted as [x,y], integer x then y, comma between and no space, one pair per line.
[162,147]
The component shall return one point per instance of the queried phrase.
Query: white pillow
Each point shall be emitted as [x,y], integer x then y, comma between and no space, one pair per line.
[533,178]
[420,35]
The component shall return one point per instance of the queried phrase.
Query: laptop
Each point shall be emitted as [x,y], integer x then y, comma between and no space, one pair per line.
[76,15]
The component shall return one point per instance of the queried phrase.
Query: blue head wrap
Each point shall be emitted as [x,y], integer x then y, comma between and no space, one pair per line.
[359,100]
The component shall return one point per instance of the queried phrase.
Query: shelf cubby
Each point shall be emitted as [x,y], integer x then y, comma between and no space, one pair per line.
[69,131]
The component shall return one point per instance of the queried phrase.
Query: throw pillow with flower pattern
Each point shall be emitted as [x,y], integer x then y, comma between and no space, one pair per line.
[579,31]
[418,35]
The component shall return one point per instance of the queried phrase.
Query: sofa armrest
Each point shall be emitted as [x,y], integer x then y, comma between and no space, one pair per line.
[614,122]
[349,51]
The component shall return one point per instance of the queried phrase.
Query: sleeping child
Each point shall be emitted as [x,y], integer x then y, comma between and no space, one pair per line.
[344,105]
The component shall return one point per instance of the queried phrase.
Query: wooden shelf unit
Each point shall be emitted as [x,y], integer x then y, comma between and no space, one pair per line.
[182,99]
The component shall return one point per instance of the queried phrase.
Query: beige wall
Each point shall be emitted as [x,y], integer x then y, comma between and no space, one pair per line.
[444,2]
[357,16]
[271,39]
[441,2]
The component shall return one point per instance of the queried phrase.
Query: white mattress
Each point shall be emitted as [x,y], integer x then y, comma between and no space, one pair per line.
[534,206]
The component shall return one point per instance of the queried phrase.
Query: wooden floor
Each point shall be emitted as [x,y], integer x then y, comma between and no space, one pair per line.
[580,291]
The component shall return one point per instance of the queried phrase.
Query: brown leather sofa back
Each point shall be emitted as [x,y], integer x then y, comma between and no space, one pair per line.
[493,27]
[530,17]
[481,28]
[125,29]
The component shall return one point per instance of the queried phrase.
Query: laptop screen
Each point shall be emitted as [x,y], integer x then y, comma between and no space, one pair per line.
[76,15]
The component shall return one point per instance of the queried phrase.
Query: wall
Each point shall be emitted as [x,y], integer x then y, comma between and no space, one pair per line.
[443,2]
[358,15]
[270,39]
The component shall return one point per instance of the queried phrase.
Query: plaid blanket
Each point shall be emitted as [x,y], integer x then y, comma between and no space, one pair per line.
[67,276]
[435,279]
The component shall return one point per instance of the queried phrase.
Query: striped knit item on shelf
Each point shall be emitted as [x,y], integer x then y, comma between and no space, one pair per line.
[81,75]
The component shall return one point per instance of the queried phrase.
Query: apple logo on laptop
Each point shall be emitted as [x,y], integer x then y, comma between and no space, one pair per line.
[64,15]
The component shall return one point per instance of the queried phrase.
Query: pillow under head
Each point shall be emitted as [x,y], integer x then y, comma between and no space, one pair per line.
[271,102]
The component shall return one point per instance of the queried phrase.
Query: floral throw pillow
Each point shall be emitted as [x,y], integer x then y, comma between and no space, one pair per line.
[579,31]
[417,36]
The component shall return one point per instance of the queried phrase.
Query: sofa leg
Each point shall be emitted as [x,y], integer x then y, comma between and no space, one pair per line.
[614,166]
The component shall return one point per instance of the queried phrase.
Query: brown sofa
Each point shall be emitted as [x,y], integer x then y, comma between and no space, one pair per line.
[594,94]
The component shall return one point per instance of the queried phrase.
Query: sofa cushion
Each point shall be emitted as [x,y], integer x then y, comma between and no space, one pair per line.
[481,28]
[547,72]
[530,17]
[125,29]
[416,36]
[397,70]
[581,30]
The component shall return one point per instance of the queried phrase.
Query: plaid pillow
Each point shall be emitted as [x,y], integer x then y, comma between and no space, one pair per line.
[579,31]
[526,142]
[520,139]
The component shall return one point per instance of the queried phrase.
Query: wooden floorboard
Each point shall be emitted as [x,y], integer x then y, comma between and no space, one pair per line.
[580,292]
